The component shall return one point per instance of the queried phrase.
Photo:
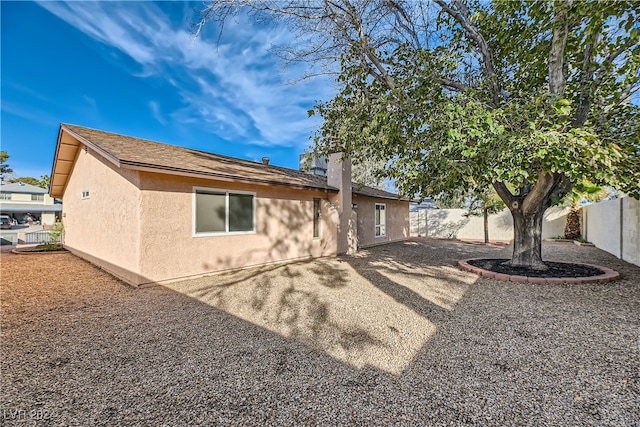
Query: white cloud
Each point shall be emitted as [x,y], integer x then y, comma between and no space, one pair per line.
[235,89]
[155,110]
[37,116]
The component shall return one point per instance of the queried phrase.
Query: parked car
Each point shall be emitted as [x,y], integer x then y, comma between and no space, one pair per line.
[5,223]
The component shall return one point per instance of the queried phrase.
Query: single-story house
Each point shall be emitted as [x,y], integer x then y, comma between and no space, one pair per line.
[153,213]
[29,203]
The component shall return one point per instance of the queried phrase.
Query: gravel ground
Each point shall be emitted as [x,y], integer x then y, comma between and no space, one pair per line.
[394,336]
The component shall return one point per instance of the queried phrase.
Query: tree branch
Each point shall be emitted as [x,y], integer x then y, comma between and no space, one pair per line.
[462,18]
[453,85]
[504,193]
[582,112]
[404,22]
[557,80]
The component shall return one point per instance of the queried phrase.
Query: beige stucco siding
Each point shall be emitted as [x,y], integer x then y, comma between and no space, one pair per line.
[397,220]
[105,227]
[283,228]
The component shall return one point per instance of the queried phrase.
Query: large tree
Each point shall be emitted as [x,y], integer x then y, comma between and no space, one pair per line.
[527,97]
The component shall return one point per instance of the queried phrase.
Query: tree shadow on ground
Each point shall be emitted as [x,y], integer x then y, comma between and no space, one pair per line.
[378,308]
[72,333]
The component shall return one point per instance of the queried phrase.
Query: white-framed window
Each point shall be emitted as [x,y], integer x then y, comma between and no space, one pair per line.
[217,212]
[85,194]
[37,197]
[5,196]
[316,218]
[381,220]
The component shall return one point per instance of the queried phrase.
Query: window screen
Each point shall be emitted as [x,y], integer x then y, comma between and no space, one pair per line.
[240,212]
[210,212]
[381,220]
[316,217]
[221,212]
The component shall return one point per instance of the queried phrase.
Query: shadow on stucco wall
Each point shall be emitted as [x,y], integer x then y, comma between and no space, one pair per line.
[284,231]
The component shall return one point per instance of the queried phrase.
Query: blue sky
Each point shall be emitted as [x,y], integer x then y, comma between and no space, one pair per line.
[135,68]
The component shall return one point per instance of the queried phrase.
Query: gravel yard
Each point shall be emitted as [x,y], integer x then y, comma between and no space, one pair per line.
[395,335]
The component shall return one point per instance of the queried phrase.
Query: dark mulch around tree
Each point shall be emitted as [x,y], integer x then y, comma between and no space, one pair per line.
[556,269]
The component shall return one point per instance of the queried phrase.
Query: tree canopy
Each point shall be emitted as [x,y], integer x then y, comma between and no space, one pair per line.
[499,99]
[525,96]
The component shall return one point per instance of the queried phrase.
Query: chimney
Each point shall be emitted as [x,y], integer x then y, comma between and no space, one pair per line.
[317,166]
[339,172]
[339,176]
[265,160]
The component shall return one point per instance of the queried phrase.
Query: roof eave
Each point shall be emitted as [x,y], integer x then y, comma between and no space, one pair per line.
[55,161]
[57,191]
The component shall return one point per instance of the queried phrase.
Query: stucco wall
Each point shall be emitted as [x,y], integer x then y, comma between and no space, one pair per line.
[284,229]
[105,227]
[452,223]
[397,224]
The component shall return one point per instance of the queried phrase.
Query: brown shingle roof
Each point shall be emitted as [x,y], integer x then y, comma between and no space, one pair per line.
[137,152]
[142,153]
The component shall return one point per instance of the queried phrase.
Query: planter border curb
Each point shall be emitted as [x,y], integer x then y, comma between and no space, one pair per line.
[608,274]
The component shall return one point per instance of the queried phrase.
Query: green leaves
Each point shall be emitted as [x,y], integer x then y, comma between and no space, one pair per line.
[563,107]
[439,130]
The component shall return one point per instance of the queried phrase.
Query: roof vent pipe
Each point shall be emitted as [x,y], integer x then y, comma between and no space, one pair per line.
[265,160]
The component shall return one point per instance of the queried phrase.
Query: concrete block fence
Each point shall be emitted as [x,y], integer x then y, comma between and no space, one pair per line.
[613,225]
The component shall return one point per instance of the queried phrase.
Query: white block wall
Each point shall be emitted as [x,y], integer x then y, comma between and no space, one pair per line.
[631,230]
[614,226]
[451,223]
[601,225]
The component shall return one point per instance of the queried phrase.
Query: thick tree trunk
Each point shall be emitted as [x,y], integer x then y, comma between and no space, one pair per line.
[527,241]
[527,209]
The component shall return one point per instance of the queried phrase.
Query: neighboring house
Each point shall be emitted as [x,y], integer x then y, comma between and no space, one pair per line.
[27,202]
[152,213]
